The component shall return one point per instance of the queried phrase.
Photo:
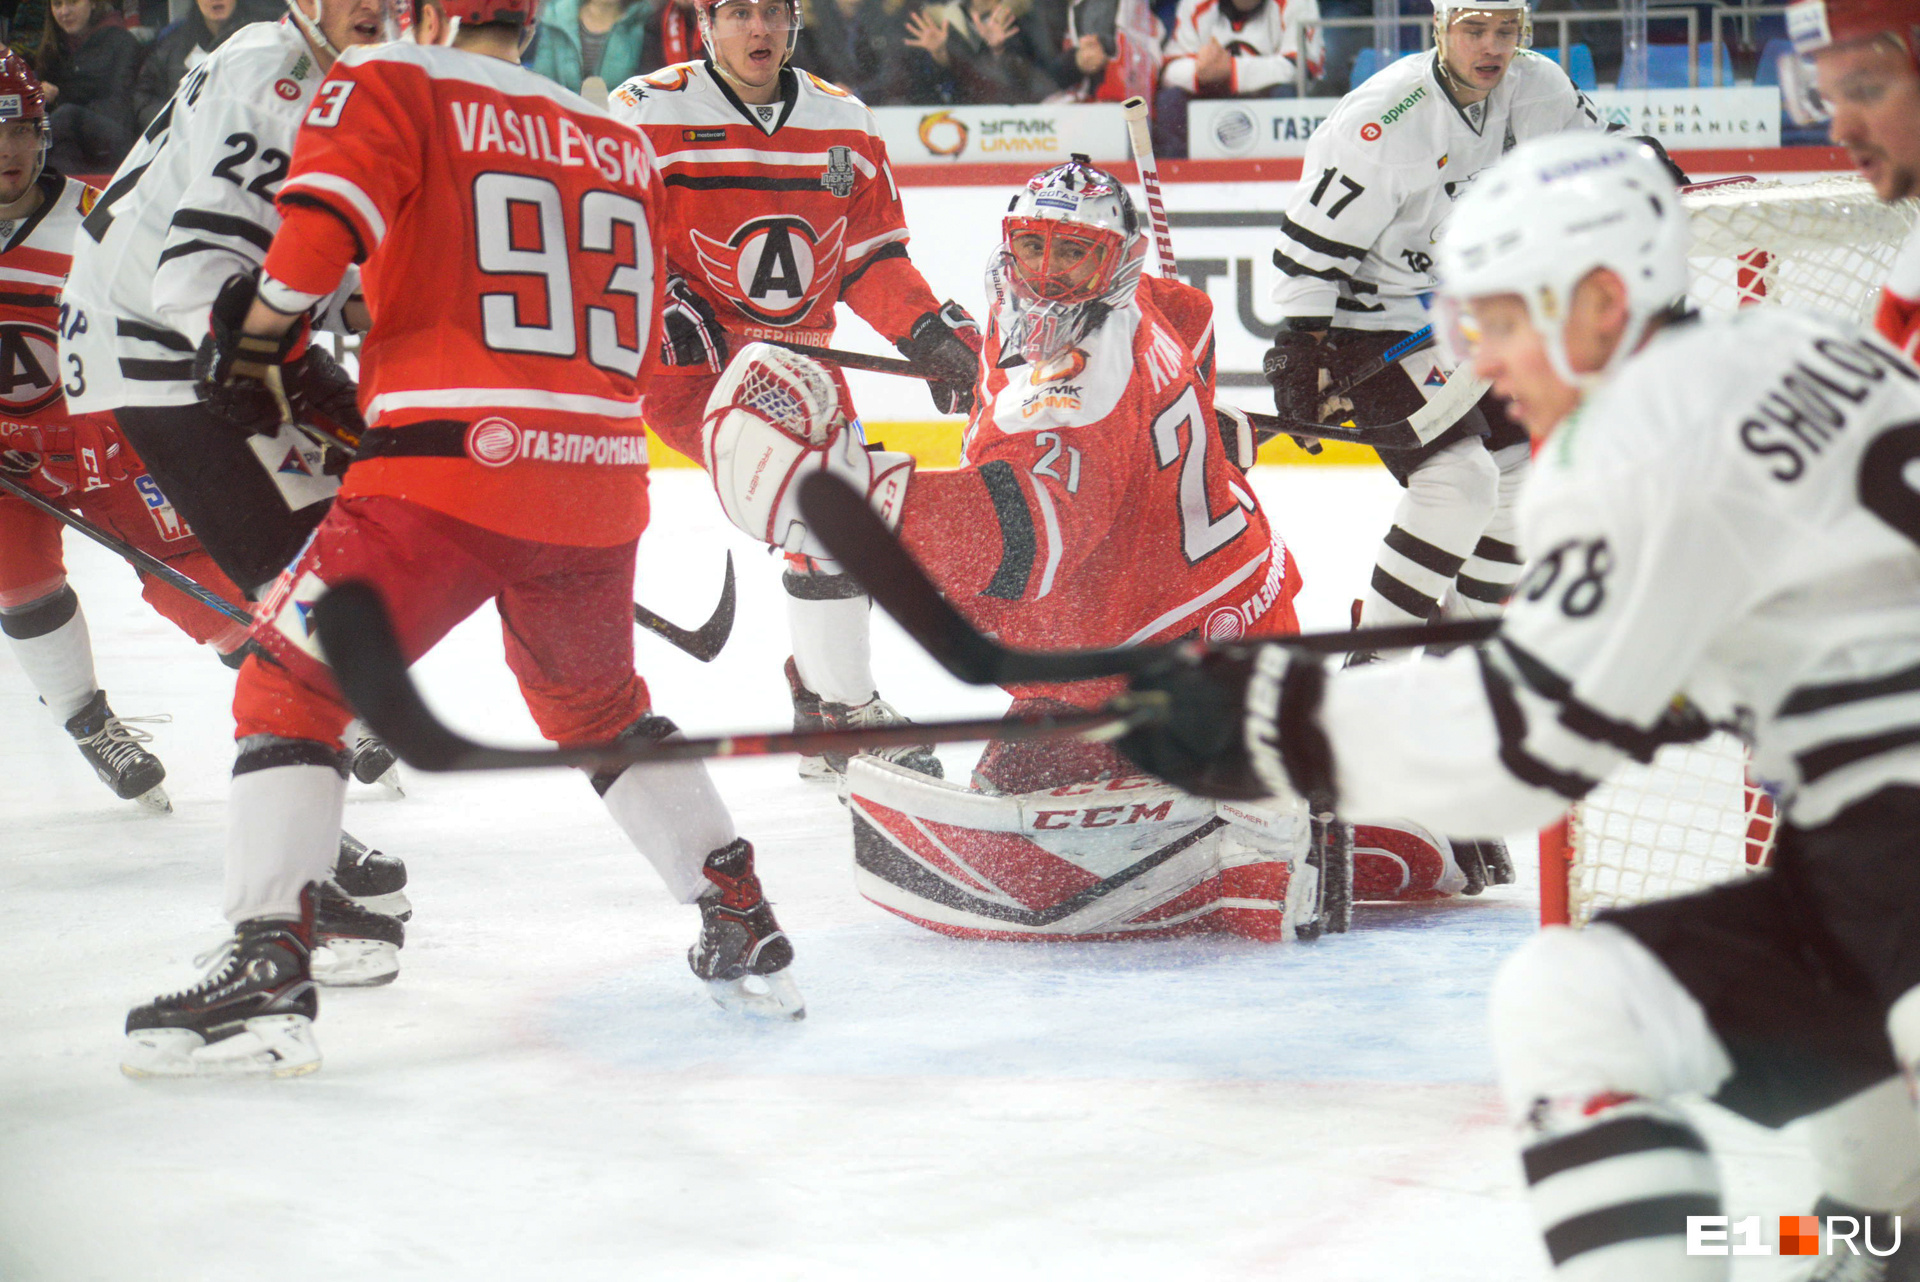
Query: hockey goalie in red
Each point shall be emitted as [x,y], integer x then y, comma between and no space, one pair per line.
[512,275]
[1098,504]
[780,204]
[79,462]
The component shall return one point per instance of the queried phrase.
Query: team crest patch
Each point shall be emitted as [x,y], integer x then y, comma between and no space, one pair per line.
[493,442]
[839,176]
[772,268]
[1435,378]
[294,617]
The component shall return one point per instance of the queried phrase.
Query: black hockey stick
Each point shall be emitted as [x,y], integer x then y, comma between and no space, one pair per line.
[866,549]
[356,635]
[706,641]
[151,564]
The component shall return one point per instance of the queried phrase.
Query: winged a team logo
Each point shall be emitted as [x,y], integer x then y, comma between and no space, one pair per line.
[772,269]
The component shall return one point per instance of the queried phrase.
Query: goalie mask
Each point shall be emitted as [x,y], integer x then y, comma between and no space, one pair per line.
[1550,213]
[1071,252]
[1814,25]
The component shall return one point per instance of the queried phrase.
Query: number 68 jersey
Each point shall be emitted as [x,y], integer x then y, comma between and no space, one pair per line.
[1734,519]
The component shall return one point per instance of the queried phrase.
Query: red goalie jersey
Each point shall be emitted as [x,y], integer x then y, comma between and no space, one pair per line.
[1097,505]
[514,292]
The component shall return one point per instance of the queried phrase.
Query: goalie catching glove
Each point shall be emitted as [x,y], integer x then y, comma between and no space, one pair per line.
[775,416]
[1242,723]
[257,384]
[948,342]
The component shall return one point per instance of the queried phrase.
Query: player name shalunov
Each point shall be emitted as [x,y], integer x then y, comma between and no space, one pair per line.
[480,127]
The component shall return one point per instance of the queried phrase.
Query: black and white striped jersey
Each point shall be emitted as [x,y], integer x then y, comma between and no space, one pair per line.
[190,206]
[1734,519]
[1381,176]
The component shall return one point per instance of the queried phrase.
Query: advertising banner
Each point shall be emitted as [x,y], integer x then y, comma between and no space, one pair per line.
[1042,134]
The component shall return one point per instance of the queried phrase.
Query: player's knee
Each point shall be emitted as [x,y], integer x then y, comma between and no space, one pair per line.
[272,700]
[1587,1015]
[39,615]
[1462,477]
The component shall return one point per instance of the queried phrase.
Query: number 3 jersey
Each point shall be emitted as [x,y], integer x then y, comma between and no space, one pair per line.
[1735,519]
[511,272]
[1097,506]
[776,213]
[190,206]
[1381,176]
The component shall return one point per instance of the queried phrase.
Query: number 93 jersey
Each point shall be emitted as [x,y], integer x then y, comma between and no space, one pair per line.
[512,275]
[1734,519]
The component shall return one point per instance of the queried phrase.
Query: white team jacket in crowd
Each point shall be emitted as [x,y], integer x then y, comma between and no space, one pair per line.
[191,205]
[1263,45]
[1734,518]
[1381,176]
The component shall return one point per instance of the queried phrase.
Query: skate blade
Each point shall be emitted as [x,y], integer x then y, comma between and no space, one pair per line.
[779,999]
[155,799]
[390,781]
[267,1046]
[816,770]
[355,963]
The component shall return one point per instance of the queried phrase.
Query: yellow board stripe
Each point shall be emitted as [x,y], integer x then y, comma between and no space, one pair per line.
[937,444]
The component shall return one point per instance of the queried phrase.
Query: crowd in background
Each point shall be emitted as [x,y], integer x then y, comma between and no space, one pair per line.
[109,66]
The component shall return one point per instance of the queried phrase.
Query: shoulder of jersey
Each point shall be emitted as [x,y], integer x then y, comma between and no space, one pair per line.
[268,65]
[440,63]
[1534,75]
[825,106]
[55,231]
[1375,120]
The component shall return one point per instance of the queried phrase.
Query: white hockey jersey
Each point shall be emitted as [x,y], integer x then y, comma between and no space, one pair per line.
[190,206]
[1381,176]
[1733,519]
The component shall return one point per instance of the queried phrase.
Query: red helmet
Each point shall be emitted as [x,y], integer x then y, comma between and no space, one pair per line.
[519,13]
[20,95]
[1814,25]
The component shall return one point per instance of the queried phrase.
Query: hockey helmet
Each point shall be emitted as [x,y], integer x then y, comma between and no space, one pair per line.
[1447,12]
[396,17]
[21,98]
[1071,252]
[773,12]
[1547,215]
[1814,25]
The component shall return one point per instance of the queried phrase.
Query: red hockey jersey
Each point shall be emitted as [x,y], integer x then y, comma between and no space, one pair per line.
[1097,506]
[512,273]
[774,220]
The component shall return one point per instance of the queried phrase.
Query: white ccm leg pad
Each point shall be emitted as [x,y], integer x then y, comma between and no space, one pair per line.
[283,831]
[1593,1037]
[1127,857]
[1448,501]
[1867,1148]
[832,647]
[674,816]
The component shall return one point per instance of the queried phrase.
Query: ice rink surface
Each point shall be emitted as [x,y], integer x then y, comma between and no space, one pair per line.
[547,1094]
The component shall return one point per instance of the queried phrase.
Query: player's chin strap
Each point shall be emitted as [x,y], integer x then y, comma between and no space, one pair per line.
[322,46]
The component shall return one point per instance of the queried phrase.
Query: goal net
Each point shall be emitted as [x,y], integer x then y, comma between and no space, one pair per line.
[1692,818]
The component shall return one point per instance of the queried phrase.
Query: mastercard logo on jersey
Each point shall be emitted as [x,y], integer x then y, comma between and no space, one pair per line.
[29,357]
[774,268]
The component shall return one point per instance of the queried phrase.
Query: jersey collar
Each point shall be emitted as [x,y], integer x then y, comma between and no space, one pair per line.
[1474,116]
[789,97]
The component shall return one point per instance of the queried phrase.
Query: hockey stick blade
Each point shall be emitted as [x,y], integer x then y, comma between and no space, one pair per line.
[356,635]
[866,549]
[710,638]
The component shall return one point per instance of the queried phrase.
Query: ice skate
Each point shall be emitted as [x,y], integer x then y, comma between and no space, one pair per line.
[811,712]
[372,761]
[740,941]
[354,947]
[371,879]
[1485,863]
[251,1016]
[115,753]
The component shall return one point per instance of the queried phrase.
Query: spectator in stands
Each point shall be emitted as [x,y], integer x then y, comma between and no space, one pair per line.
[86,65]
[860,45]
[983,51]
[1109,52]
[183,46]
[604,38]
[1232,49]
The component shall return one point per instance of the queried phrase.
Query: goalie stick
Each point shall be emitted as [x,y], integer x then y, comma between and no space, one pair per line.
[151,564]
[356,635]
[838,516]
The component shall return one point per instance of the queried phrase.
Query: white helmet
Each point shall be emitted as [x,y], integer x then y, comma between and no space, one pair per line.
[1548,214]
[1446,11]
[1071,253]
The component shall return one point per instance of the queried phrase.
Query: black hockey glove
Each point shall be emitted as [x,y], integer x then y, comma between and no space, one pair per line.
[1301,365]
[1674,171]
[947,342]
[690,332]
[255,385]
[1202,746]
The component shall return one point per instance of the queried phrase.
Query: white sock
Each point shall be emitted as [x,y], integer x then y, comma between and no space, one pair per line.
[58,662]
[283,831]
[832,648]
[1448,501]
[674,816]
